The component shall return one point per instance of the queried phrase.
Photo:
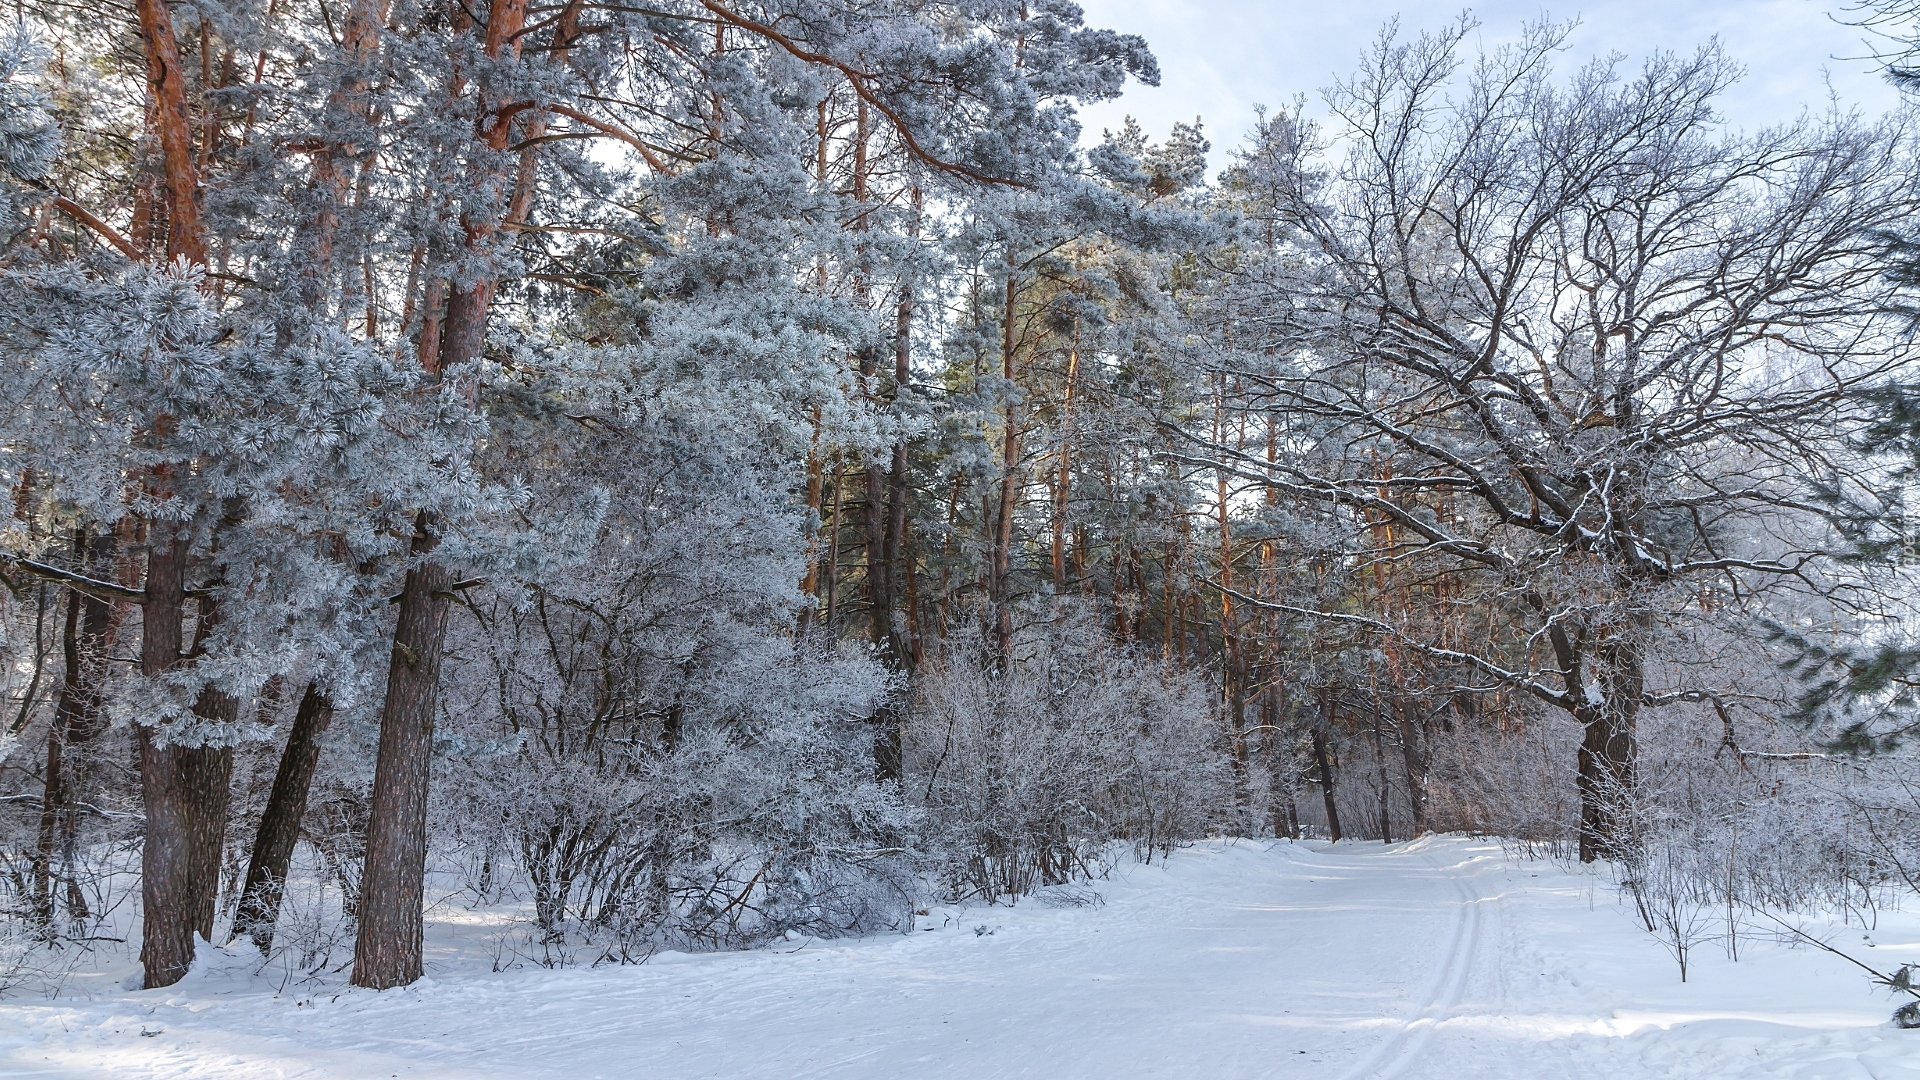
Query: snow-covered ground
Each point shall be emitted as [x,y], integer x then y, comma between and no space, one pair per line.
[1442,958]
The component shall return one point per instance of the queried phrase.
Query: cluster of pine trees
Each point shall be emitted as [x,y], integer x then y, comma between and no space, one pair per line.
[711,469]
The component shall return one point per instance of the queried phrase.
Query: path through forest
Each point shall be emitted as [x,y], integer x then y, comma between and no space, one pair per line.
[1441,958]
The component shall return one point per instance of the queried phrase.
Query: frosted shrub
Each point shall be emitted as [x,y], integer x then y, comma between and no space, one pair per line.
[659,768]
[742,827]
[1722,823]
[1028,775]
[1511,780]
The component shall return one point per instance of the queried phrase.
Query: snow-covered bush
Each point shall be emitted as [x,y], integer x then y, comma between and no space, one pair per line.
[1730,814]
[1030,773]
[737,806]
[1506,778]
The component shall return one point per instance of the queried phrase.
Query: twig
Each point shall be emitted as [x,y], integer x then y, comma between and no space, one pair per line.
[1880,977]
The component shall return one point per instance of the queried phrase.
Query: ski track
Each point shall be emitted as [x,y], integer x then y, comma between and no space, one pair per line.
[1403,1048]
[1444,958]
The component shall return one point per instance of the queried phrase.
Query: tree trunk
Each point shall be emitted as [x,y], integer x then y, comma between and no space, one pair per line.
[167,114]
[1280,773]
[393,884]
[1416,766]
[833,548]
[1604,780]
[186,803]
[207,774]
[1323,760]
[873,542]
[895,645]
[76,719]
[999,562]
[1380,769]
[183,789]
[1239,752]
[393,879]
[1608,752]
[1063,475]
[896,534]
[334,164]
[816,517]
[280,825]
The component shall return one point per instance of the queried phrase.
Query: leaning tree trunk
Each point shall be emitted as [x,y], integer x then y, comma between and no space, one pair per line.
[280,824]
[387,950]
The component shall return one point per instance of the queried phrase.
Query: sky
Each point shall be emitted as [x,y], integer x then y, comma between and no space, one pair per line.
[1219,57]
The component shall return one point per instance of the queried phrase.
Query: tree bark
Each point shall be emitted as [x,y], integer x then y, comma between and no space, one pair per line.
[186,800]
[1323,760]
[1608,763]
[1063,474]
[387,950]
[280,825]
[207,776]
[167,113]
[896,538]
[333,165]
[888,737]
[873,527]
[183,788]
[1280,768]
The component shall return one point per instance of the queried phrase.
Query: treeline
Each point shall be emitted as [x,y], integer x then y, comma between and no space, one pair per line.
[710,471]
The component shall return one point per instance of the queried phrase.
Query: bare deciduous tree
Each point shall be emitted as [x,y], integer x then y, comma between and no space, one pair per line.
[1575,344]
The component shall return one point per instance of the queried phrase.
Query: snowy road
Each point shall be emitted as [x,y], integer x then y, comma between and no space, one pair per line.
[1442,958]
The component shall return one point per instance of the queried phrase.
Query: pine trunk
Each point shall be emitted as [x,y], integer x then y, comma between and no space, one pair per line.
[174,781]
[1323,760]
[280,825]
[1384,776]
[999,564]
[387,951]
[185,791]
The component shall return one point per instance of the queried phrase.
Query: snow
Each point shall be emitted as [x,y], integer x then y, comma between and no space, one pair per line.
[1446,957]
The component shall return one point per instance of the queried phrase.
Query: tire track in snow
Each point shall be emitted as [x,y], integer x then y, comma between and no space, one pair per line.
[1404,1047]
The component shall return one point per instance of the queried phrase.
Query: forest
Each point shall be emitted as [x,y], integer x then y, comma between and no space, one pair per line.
[697,473]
